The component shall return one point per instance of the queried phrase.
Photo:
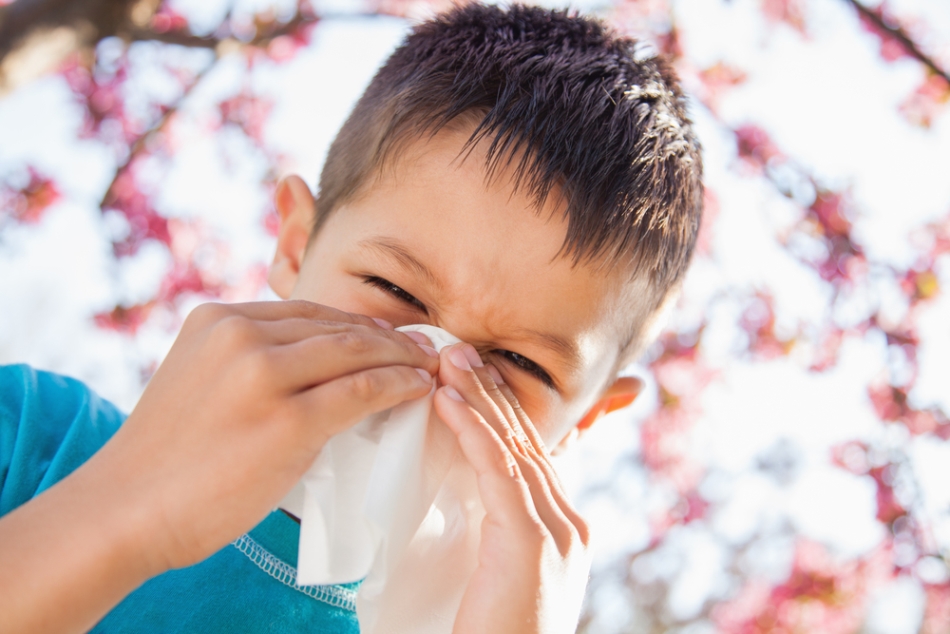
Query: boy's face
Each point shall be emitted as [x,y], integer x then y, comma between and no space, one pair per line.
[432,241]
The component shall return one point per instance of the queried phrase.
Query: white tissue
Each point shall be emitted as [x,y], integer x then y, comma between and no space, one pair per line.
[393,500]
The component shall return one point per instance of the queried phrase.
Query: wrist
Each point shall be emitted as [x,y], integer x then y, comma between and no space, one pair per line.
[69,555]
[112,513]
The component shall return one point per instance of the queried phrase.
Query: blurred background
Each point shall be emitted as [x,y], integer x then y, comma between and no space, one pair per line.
[788,469]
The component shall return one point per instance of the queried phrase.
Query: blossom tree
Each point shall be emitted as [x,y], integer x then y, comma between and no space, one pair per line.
[788,469]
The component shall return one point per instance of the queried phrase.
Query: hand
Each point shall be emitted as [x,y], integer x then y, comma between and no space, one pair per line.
[242,405]
[533,559]
[246,398]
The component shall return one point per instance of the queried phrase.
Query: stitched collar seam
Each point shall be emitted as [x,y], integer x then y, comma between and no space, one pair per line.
[286,574]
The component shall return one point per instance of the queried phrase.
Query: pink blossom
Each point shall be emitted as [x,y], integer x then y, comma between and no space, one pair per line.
[248,112]
[791,12]
[145,223]
[819,595]
[927,102]
[755,146]
[28,204]
[891,48]
[168,20]
[717,79]
[937,611]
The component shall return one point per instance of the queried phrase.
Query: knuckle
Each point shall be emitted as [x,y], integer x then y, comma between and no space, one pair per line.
[355,343]
[506,462]
[535,456]
[291,413]
[511,398]
[492,389]
[261,365]
[516,445]
[233,332]
[206,314]
[365,386]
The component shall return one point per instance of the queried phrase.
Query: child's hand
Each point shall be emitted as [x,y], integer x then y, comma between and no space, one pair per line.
[239,409]
[533,559]
[244,401]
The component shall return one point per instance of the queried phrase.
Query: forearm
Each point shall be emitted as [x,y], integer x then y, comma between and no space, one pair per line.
[69,555]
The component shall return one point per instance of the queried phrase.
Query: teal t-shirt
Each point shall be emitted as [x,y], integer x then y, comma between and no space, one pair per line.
[50,424]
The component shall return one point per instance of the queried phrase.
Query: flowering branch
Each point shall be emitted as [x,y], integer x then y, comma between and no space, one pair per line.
[876,19]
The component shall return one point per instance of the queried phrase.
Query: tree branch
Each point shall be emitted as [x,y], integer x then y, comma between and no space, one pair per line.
[173,37]
[263,38]
[140,143]
[898,34]
[299,21]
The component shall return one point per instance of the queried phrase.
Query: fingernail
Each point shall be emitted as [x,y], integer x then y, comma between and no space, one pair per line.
[472,356]
[429,350]
[382,323]
[425,375]
[453,394]
[418,337]
[496,375]
[458,359]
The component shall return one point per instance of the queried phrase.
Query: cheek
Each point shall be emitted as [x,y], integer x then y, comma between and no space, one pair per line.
[553,417]
[544,408]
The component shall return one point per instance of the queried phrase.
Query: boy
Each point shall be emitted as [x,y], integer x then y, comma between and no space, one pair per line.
[517,177]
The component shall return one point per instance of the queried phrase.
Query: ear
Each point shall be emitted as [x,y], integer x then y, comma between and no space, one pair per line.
[295,206]
[620,394]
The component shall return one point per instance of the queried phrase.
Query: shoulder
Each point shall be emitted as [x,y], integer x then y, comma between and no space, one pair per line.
[45,399]
[49,425]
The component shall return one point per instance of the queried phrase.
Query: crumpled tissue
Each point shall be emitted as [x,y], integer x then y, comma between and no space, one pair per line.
[394,501]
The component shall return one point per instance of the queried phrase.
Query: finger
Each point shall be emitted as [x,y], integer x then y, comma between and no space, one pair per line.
[494,383]
[546,503]
[462,368]
[459,366]
[284,309]
[327,356]
[293,329]
[553,486]
[505,494]
[477,387]
[540,453]
[339,404]
[480,442]
[530,431]
[507,404]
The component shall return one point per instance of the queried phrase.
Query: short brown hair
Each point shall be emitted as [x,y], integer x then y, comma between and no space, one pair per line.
[587,113]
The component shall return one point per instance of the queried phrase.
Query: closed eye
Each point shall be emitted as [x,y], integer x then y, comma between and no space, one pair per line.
[511,358]
[527,365]
[388,287]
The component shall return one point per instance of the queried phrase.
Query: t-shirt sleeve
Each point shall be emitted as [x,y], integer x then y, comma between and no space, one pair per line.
[49,425]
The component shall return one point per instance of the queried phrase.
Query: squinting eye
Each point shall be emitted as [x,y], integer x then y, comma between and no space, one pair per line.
[527,365]
[388,287]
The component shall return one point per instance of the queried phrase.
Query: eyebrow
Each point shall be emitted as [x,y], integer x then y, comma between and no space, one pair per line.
[560,346]
[397,251]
